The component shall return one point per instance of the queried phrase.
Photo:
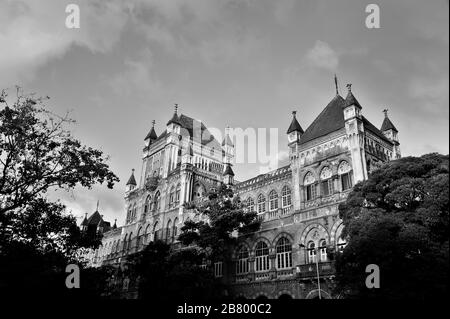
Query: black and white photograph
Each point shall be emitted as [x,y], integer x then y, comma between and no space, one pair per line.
[224,156]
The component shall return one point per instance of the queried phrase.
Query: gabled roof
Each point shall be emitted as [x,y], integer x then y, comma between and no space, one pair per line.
[387,125]
[94,219]
[329,120]
[295,126]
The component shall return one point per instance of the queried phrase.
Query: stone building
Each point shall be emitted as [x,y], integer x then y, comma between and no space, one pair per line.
[297,203]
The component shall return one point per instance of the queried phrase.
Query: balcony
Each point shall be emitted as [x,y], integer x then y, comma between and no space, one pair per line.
[310,270]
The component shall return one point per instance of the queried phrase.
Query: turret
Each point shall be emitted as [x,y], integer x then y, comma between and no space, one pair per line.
[390,131]
[131,184]
[355,133]
[228,175]
[228,147]
[294,133]
[151,136]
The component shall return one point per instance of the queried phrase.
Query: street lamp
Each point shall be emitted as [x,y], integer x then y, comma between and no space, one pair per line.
[316,252]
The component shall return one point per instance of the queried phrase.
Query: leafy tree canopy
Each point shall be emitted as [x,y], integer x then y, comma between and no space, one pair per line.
[398,219]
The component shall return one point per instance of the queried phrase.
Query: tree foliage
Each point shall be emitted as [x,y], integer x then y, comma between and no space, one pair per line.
[398,219]
[39,154]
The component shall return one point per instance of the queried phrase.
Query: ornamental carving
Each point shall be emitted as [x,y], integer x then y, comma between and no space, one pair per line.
[344,167]
[325,173]
[309,178]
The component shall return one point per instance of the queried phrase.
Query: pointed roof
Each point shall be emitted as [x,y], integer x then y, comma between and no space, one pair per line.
[329,120]
[85,221]
[228,170]
[115,224]
[350,99]
[95,218]
[152,134]
[227,140]
[132,180]
[175,119]
[387,124]
[295,126]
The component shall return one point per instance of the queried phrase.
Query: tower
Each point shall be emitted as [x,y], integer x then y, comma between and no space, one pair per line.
[294,133]
[173,139]
[389,130]
[131,184]
[228,155]
[355,133]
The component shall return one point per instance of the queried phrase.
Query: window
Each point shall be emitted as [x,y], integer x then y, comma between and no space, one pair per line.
[323,250]
[286,197]
[273,201]
[177,193]
[157,201]
[250,204]
[311,252]
[262,257]
[341,243]
[311,192]
[148,200]
[171,196]
[344,171]
[261,204]
[326,181]
[175,229]
[155,232]
[242,261]
[169,226]
[218,269]
[130,238]
[310,186]
[284,253]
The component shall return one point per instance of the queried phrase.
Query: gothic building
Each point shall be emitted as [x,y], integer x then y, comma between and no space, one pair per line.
[297,203]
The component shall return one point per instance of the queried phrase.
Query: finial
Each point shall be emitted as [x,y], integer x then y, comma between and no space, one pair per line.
[85,215]
[385,111]
[336,84]
[97,205]
[349,87]
[153,123]
[294,113]
[176,108]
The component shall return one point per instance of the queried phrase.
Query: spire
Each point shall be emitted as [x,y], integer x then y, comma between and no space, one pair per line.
[387,124]
[227,140]
[132,180]
[175,119]
[98,202]
[115,224]
[228,170]
[295,126]
[350,99]
[152,134]
[336,84]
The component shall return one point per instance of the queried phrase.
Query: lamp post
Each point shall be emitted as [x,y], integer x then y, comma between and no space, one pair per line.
[316,252]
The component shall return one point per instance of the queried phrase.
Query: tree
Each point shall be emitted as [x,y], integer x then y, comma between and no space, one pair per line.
[398,219]
[38,154]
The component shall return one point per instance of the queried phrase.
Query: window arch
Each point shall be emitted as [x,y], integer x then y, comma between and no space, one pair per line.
[286,199]
[147,234]
[171,196]
[130,238]
[261,204]
[155,231]
[284,253]
[311,252]
[273,200]
[124,246]
[139,238]
[148,200]
[177,194]
[345,174]
[157,201]
[175,229]
[323,250]
[326,181]
[242,263]
[262,256]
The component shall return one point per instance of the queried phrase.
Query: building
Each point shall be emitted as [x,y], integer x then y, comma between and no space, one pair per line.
[297,203]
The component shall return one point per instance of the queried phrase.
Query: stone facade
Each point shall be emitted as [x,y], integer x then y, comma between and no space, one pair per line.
[297,203]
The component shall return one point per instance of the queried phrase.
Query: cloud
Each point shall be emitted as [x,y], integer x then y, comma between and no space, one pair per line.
[432,93]
[32,33]
[322,56]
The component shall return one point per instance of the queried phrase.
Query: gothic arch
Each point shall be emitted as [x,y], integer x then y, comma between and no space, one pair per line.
[238,248]
[334,229]
[284,292]
[315,294]
[263,239]
[311,227]
[281,235]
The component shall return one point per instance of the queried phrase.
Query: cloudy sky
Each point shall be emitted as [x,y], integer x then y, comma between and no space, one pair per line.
[245,63]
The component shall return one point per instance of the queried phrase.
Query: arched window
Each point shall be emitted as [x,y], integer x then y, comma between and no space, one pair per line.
[130,238]
[310,186]
[172,196]
[273,200]
[250,204]
[326,182]
[155,232]
[345,174]
[286,197]
[168,229]
[139,238]
[177,194]
[148,200]
[157,201]
[311,252]
[124,247]
[147,234]
[261,204]
[175,229]
[262,257]
[284,253]
[242,261]
[323,250]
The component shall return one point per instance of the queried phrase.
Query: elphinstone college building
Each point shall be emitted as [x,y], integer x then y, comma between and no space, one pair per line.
[297,203]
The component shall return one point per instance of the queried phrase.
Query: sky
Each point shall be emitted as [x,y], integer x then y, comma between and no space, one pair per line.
[246,64]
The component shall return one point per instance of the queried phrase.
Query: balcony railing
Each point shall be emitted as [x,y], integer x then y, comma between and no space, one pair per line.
[310,270]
